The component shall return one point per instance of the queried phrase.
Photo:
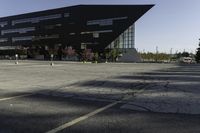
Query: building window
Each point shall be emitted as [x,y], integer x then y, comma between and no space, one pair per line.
[96,32]
[7,47]
[104,22]
[20,30]
[49,27]
[47,37]
[3,24]
[125,40]
[36,19]
[72,33]
[58,25]
[86,32]
[3,40]
[25,38]
[83,46]
[96,35]
[66,15]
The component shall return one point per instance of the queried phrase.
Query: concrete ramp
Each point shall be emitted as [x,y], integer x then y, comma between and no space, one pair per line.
[130,55]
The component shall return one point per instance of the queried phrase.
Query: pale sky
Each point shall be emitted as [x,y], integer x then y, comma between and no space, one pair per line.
[169,24]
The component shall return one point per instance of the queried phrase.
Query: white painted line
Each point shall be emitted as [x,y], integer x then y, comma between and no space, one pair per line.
[84,117]
[8,98]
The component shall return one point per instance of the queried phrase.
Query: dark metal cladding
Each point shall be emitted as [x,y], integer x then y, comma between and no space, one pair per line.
[95,26]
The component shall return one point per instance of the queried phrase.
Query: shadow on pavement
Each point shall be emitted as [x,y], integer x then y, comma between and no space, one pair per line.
[47,109]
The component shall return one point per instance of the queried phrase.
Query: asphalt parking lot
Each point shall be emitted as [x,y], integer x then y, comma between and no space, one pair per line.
[115,97]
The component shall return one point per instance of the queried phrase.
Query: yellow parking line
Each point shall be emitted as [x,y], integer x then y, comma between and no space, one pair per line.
[19,96]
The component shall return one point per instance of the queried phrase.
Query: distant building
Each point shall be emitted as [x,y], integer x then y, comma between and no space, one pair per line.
[97,27]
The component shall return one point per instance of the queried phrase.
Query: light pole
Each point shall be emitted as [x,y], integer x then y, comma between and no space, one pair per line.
[156,53]
[171,51]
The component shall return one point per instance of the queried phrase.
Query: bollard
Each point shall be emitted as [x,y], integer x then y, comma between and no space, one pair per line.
[52,64]
[16,59]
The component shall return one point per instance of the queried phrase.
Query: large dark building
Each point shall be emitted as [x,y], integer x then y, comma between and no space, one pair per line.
[100,28]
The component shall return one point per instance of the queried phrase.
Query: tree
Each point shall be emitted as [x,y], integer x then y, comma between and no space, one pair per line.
[107,56]
[87,54]
[52,51]
[96,57]
[178,55]
[155,56]
[185,54]
[197,57]
[69,51]
[114,54]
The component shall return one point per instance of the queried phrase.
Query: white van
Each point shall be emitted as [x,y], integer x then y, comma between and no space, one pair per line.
[187,60]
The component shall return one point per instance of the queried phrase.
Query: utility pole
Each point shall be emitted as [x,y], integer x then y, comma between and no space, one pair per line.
[171,54]
[199,42]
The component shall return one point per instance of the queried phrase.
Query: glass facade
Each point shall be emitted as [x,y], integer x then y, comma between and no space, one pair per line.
[125,40]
